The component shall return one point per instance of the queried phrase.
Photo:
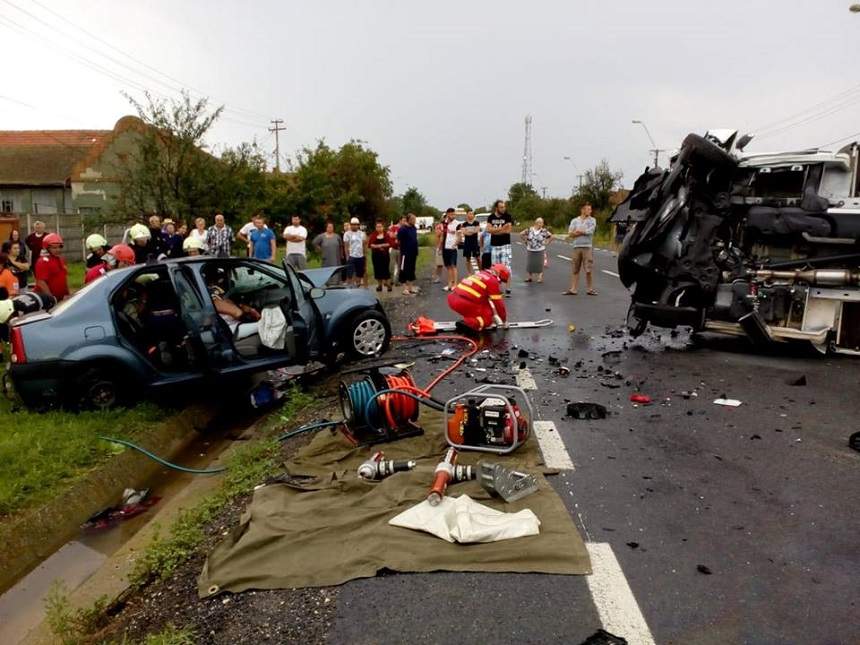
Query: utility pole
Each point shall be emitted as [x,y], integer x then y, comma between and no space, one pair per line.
[655,149]
[580,180]
[543,191]
[276,129]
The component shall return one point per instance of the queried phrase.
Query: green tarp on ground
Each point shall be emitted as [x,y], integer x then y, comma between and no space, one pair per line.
[334,527]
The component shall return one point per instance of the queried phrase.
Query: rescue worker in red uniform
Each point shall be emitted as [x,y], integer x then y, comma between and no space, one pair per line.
[117,257]
[479,300]
[50,268]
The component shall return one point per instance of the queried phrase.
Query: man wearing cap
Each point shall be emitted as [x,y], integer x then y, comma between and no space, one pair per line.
[354,243]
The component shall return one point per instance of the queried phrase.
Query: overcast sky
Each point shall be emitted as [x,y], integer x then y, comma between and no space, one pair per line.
[440,89]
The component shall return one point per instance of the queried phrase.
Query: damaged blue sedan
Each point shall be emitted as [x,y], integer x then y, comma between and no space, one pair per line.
[182,322]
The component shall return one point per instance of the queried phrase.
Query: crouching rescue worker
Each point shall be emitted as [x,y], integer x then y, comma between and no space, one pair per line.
[479,300]
[117,257]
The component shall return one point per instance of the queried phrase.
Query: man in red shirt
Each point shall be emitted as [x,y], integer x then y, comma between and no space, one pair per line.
[50,269]
[34,241]
[478,298]
[118,257]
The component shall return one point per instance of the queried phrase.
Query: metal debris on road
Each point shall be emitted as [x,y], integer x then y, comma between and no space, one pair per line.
[584,410]
[732,403]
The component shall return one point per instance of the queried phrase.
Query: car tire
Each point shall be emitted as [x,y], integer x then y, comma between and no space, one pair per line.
[99,390]
[369,335]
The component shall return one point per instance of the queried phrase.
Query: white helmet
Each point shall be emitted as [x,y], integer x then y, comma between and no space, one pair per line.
[95,241]
[139,232]
[192,242]
[7,308]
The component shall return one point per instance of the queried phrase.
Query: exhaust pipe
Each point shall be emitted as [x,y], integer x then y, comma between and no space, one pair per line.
[815,277]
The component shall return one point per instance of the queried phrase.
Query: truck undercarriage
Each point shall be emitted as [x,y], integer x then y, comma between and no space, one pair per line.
[766,246]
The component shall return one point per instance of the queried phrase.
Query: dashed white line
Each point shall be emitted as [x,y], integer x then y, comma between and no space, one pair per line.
[552,447]
[612,273]
[525,379]
[616,605]
[564,257]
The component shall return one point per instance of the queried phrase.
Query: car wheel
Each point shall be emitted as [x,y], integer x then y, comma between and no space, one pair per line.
[369,334]
[99,391]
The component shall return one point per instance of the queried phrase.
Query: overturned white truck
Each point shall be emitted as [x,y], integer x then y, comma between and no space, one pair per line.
[762,245]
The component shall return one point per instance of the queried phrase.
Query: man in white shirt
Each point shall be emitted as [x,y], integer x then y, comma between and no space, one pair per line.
[450,238]
[354,243]
[296,236]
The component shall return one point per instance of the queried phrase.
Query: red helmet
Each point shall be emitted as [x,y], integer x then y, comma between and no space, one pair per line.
[122,253]
[502,271]
[51,238]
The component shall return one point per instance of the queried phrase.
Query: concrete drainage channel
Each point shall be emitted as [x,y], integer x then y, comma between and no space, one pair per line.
[47,544]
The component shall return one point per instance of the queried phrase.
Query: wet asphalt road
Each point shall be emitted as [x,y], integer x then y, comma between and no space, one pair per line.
[763,496]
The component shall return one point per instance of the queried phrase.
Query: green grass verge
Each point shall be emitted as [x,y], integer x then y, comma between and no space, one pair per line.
[246,467]
[43,453]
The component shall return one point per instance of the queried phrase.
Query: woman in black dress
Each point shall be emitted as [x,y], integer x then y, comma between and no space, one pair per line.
[380,253]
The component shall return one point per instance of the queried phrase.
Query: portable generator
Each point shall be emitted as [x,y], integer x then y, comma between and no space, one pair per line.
[489,419]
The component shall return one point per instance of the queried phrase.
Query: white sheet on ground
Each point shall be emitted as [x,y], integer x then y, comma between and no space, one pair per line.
[464,520]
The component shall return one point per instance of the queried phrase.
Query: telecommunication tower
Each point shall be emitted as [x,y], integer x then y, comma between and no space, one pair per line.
[528,155]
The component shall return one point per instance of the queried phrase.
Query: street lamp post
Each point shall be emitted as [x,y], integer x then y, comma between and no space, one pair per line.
[655,149]
[570,159]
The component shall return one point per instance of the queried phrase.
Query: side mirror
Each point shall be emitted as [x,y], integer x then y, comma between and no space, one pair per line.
[317,293]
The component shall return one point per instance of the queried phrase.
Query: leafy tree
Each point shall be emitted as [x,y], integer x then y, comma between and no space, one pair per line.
[520,191]
[412,201]
[464,206]
[329,183]
[169,172]
[598,184]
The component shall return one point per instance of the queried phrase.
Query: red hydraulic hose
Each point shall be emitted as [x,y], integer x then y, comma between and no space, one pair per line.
[473,348]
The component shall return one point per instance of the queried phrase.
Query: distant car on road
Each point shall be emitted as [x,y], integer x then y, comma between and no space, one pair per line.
[150,327]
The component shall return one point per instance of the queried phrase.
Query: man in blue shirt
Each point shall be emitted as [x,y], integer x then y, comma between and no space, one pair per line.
[262,240]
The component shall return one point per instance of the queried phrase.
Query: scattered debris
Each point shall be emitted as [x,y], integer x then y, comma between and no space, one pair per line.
[854,441]
[584,410]
[603,637]
[701,568]
[564,371]
[640,398]
[732,403]
[134,502]
[552,360]
[522,354]
[571,328]
[633,545]
[799,381]
[755,436]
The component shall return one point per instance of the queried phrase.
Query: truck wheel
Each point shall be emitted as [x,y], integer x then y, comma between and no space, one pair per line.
[99,390]
[369,334]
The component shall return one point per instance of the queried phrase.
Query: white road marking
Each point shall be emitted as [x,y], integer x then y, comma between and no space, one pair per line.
[616,605]
[525,379]
[612,273]
[552,447]
[564,257]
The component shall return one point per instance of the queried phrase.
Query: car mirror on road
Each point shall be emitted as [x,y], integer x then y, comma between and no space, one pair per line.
[317,293]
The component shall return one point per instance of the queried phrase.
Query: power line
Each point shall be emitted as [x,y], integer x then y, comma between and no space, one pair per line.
[250,113]
[811,108]
[117,76]
[811,118]
[840,139]
[97,67]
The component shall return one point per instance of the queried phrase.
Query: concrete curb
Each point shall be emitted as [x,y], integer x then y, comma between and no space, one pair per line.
[33,535]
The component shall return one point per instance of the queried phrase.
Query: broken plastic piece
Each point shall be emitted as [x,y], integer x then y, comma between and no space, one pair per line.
[584,410]
[508,484]
[732,403]
[603,637]
[564,370]
[638,397]
[571,328]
